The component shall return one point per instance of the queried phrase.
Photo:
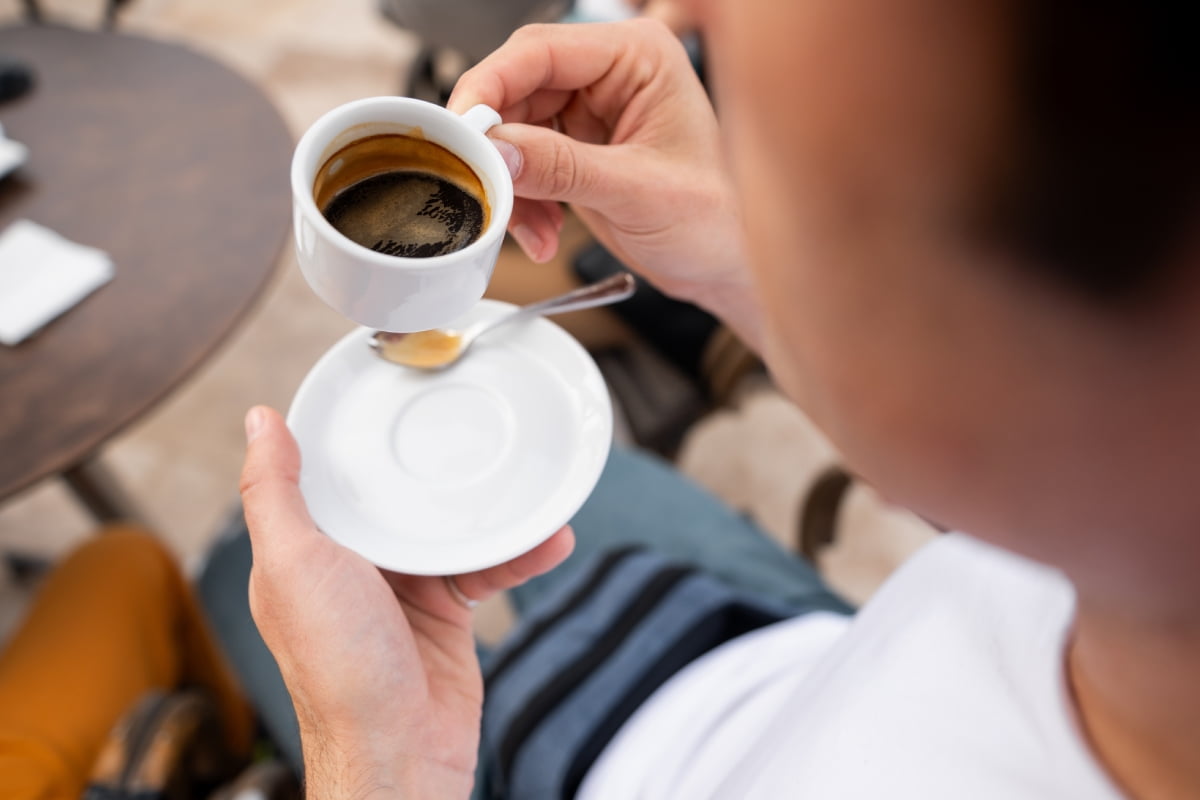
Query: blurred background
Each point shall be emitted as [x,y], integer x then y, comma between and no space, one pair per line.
[686,389]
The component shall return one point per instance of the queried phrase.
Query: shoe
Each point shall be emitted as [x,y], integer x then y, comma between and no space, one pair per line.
[16,79]
[169,747]
[268,780]
[819,511]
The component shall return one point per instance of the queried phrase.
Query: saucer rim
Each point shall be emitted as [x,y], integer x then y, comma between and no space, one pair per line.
[577,492]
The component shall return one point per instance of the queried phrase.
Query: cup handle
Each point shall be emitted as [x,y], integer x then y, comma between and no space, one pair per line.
[482,118]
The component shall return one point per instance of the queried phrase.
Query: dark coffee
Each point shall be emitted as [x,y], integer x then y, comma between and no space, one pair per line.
[403,196]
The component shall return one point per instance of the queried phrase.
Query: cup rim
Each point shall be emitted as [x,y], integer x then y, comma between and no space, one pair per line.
[309,141]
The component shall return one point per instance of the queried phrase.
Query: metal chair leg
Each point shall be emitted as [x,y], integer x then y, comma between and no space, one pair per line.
[100,493]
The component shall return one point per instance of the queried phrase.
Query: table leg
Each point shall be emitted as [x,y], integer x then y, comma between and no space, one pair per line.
[101,493]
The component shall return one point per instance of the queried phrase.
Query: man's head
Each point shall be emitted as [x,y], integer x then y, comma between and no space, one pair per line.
[971,224]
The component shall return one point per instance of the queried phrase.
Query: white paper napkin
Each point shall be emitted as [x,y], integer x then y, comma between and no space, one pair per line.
[42,275]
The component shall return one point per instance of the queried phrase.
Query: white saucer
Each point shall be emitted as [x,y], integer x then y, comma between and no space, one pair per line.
[451,472]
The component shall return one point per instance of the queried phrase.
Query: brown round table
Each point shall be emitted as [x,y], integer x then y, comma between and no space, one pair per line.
[178,168]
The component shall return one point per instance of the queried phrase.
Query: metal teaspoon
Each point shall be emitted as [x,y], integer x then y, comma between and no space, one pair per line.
[438,349]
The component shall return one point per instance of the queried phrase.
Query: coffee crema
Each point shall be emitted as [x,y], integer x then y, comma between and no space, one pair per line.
[402,196]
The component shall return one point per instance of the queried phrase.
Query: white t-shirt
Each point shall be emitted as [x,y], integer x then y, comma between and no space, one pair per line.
[948,685]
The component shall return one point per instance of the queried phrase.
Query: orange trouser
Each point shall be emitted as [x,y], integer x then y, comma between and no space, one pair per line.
[113,621]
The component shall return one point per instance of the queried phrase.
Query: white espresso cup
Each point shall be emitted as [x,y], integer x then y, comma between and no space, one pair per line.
[390,292]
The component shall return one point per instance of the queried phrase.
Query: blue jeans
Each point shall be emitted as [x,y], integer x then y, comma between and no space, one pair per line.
[638,500]
[641,500]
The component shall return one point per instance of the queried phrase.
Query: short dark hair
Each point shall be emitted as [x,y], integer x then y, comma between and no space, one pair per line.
[1103,182]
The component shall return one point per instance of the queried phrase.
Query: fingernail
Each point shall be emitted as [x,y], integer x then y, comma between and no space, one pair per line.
[511,155]
[530,242]
[254,423]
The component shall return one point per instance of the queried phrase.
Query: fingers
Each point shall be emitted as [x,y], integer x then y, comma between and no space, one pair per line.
[280,524]
[275,511]
[541,106]
[593,114]
[552,166]
[556,214]
[579,121]
[549,554]
[535,224]
[558,57]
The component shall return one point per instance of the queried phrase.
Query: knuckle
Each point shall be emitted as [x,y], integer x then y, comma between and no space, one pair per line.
[651,27]
[255,483]
[657,37]
[517,573]
[562,173]
[252,476]
[251,490]
[527,33]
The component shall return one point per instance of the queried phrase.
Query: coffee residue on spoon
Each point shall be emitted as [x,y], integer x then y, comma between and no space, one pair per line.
[423,349]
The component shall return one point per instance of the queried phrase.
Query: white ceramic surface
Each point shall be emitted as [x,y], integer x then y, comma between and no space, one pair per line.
[389,292]
[12,154]
[450,472]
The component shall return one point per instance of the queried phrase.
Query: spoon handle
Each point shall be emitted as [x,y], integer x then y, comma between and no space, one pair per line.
[613,289]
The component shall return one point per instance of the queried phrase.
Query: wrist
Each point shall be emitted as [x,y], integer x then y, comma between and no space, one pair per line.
[734,304]
[719,280]
[338,769]
[351,781]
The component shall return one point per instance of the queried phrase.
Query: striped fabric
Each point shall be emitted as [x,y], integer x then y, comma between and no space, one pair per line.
[570,676]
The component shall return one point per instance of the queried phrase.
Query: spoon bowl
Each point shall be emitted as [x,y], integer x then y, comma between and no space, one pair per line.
[439,349]
[431,350]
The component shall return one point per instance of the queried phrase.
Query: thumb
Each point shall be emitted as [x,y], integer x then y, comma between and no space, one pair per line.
[548,165]
[275,510]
